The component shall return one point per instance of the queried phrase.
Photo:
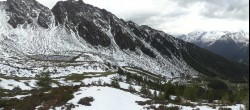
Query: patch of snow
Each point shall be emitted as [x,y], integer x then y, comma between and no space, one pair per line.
[21,96]
[106,98]
[11,84]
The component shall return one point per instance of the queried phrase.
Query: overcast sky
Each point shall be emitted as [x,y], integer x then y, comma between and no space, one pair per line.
[178,16]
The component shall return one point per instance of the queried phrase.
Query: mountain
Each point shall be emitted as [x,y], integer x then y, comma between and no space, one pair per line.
[232,46]
[76,37]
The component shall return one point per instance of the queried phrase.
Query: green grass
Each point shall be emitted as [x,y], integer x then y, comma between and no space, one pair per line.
[145,73]
[56,97]
[75,77]
[78,77]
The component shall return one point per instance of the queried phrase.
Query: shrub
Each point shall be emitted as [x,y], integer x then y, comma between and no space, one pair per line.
[225,109]
[131,89]
[161,107]
[217,85]
[115,84]
[16,90]
[169,89]
[142,103]
[3,102]
[173,108]
[86,101]
[190,92]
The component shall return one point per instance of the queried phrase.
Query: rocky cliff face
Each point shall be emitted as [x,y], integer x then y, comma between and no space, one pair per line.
[28,11]
[84,34]
[81,18]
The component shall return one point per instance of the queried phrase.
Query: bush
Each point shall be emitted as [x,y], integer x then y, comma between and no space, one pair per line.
[3,102]
[131,89]
[115,84]
[56,97]
[217,85]
[170,89]
[86,101]
[2,94]
[173,108]
[16,90]
[225,109]
[190,92]
[161,107]
[142,103]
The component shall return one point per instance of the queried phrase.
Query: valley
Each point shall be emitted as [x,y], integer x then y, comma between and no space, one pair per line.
[77,56]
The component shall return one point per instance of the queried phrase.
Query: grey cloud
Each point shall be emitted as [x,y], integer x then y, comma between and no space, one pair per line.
[234,9]
[154,18]
[141,17]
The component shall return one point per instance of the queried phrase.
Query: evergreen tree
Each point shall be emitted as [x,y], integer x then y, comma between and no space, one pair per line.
[44,80]
[210,95]
[120,71]
[190,92]
[144,89]
[225,98]
[161,96]
[169,89]
[155,93]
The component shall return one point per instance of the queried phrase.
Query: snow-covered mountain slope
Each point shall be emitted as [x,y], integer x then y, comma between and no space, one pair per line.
[24,44]
[75,37]
[233,46]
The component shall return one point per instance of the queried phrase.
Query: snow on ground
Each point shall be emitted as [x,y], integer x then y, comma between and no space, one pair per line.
[234,107]
[106,98]
[11,84]
[106,79]
[59,71]
[204,107]
[22,96]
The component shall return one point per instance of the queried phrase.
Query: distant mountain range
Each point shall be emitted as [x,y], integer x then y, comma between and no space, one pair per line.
[233,46]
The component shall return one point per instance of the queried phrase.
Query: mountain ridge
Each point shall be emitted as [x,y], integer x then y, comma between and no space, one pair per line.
[83,31]
[231,45]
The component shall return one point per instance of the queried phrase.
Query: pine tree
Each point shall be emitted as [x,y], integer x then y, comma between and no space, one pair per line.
[44,80]
[99,82]
[169,90]
[155,93]
[161,95]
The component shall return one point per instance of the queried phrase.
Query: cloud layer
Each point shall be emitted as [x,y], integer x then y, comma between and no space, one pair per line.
[179,16]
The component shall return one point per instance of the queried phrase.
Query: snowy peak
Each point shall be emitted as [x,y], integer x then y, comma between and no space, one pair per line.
[203,37]
[208,38]
[238,37]
[231,45]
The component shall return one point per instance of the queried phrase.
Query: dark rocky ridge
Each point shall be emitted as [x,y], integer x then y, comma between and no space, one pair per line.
[72,14]
[28,11]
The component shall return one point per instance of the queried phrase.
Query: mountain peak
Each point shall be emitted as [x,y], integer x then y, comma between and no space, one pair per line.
[231,45]
[28,12]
